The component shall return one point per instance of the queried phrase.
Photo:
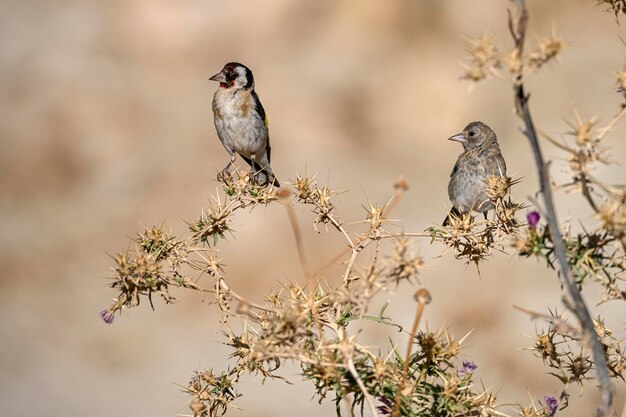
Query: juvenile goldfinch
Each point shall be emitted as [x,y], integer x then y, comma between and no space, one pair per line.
[241,122]
[480,159]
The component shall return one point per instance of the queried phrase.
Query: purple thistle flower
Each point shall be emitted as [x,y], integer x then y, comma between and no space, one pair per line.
[386,408]
[468,366]
[551,405]
[533,219]
[107,316]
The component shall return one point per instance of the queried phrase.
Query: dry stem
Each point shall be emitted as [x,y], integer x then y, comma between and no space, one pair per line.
[518,32]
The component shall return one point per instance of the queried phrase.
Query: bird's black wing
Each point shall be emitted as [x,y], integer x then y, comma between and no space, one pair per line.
[261,112]
[259,107]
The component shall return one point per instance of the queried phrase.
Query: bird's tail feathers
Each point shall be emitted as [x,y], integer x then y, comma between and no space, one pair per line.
[265,175]
[453,213]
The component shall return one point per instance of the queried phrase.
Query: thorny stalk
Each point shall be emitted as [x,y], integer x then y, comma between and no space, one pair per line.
[308,324]
[576,303]
[606,129]
[423,297]
[400,187]
[581,156]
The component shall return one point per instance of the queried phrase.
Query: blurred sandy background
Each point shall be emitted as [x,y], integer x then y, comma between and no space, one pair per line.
[106,126]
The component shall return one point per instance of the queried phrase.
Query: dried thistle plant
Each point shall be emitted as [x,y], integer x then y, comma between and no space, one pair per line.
[315,323]
[485,59]
[592,255]
[547,49]
[315,320]
[597,254]
[473,240]
[563,350]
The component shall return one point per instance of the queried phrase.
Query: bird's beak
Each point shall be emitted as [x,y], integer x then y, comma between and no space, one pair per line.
[220,77]
[459,137]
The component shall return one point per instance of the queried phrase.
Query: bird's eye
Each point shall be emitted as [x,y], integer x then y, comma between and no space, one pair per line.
[471,133]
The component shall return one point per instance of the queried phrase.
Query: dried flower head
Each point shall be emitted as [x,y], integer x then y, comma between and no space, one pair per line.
[546,348]
[497,186]
[547,50]
[514,62]
[612,216]
[484,51]
[320,198]
[306,189]
[375,216]
[155,241]
[211,394]
[583,130]
[138,274]
[404,265]
[212,224]
[484,58]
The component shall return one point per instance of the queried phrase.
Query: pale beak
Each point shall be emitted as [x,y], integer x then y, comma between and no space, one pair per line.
[459,137]
[220,77]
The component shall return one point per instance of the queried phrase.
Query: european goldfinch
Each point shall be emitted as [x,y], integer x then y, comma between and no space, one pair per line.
[241,122]
[481,158]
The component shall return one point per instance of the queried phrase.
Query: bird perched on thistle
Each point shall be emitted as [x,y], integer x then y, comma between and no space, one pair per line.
[241,122]
[480,159]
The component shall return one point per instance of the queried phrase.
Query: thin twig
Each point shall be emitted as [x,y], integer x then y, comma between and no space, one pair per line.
[293,219]
[584,177]
[407,234]
[554,141]
[239,298]
[422,297]
[607,188]
[558,323]
[400,188]
[361,385]
[612,123]
[587,192]
[347,348]
[346,275]
[225,287]
[518,32]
